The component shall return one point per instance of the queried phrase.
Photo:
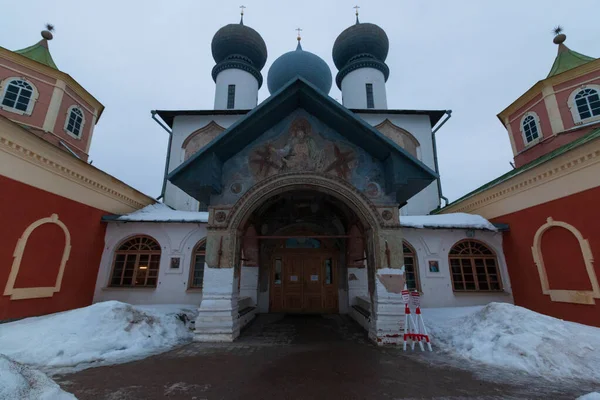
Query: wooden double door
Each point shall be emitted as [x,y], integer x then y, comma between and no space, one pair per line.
[304,282]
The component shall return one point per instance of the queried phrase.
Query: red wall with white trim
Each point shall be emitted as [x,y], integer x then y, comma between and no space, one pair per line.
[561,252]
[20,206]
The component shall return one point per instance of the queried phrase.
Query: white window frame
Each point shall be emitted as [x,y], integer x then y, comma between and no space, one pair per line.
[68,117]
[573,107]
[4,87]
[538,125]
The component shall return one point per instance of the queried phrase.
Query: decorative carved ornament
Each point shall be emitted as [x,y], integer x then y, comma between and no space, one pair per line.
[566,296]
[200,138]
[36,292]
[320,182]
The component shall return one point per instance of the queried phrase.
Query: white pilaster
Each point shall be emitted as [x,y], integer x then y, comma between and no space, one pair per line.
[387,314]
[54,106]
[217,319]
[249,283]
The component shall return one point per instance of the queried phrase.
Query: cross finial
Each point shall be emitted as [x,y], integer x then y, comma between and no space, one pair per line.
[356,8]
[242,14]
[299,30]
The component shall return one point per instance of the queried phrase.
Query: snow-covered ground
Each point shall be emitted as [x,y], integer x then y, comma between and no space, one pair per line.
[101,334]
[508,336]
[104,333]
[23,383]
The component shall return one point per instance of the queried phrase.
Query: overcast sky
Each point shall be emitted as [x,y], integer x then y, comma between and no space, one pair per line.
[471,56]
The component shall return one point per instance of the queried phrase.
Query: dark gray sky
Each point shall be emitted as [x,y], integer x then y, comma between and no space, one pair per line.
[471,56]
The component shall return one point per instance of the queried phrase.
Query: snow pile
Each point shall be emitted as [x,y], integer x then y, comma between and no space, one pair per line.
[159,212]
[104,333]
[20,382]
[447,221]
[590,396]
[513,337]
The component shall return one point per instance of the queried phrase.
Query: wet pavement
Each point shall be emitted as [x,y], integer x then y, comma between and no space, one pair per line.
[306,357]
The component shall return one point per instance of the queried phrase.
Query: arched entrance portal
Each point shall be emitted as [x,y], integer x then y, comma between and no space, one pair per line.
[305,241]
[289,243]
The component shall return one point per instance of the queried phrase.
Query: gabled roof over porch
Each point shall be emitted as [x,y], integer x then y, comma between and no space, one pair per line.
[200,175]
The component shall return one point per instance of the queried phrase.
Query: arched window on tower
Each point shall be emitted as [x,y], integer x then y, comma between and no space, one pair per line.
[411,268]
[18,96]
[587,102]
[197,268]
[136,263]
[474,267]
[530,128]
[74,122]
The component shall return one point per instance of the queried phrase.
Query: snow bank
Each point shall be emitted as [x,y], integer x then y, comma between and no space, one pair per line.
[159,212]
[590,396]
[104,333]
[448,221]
[20,382]
[513,337]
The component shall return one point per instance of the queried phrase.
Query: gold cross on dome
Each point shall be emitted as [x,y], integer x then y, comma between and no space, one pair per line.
[299,30]
[242,9]
[356,8]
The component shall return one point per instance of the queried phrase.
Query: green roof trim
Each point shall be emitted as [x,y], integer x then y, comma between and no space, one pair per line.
[39,52]
[567,59]
[546,157]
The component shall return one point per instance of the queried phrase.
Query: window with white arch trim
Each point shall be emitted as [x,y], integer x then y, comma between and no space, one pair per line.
[75,121]
[530,128]
[18,96]
[474,267]
[585,103]
[197,267]
[136,263]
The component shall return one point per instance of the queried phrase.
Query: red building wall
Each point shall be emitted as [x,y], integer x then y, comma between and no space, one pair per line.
[561,252]
[20,206]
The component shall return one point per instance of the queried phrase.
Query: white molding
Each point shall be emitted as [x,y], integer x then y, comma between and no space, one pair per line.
[32,100]
[538,126]
[561,295]
[573,108]
[54,106]
[36,292]
[68,117]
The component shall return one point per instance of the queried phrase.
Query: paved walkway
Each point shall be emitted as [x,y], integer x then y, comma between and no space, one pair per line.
[303,357]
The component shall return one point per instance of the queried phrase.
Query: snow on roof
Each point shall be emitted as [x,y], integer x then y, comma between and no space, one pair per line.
[448,221]
[159,212]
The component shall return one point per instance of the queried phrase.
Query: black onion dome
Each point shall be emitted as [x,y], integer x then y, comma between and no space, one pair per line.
[359,46]
[360,38]
[241,40]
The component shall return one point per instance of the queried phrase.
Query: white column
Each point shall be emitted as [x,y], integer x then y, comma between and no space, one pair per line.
[249,283]
[217,319]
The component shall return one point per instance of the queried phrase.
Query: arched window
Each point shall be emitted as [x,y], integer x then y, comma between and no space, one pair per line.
[474,267]
[136,263]
[411,267]
[588,103]
[18,96]
[75,120]
[197,270]
[530,128]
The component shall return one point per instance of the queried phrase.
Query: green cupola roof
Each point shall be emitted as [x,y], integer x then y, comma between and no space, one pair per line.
[39,52]
[566,58]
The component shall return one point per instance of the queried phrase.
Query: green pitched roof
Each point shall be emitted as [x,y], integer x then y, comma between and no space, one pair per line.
[38,52]
[567,59]
[546,157]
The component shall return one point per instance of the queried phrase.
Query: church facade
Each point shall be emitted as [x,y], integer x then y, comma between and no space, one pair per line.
[301,204]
